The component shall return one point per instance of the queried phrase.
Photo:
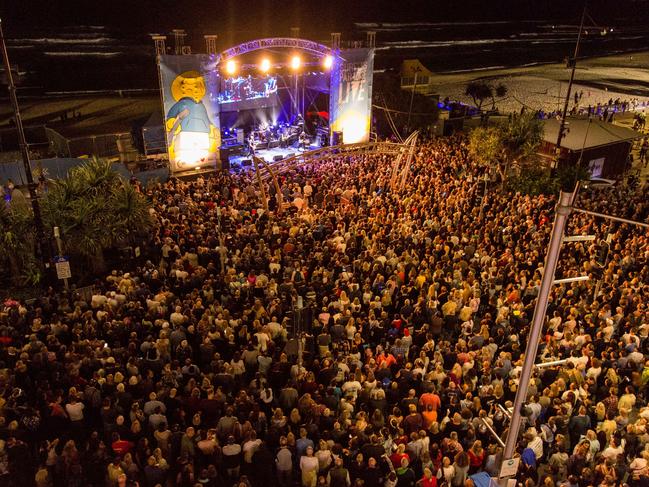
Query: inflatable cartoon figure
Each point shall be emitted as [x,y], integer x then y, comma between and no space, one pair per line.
[192,137]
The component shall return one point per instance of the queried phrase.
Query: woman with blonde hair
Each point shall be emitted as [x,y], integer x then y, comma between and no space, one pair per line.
[476,456]
[446,474]
[309,467]
[344,300]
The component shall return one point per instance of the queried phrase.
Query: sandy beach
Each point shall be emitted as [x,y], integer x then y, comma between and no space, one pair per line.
[537,87]
[544,86]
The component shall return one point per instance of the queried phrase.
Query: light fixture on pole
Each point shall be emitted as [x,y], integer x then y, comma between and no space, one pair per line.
[230,67]
[295,66]
[264,66]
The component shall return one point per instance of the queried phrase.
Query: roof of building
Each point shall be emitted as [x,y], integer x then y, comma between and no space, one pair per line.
[587,134]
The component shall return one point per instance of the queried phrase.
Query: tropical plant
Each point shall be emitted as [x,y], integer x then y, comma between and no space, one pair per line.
[17,246]
[541,180]
[95,210]
[509,146]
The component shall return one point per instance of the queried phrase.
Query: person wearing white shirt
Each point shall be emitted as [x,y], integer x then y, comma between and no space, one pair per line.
[309,467]
[250,447]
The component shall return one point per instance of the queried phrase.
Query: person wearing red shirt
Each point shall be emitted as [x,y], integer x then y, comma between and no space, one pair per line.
[476,456]
[430,398]
[398,455]
[428,480]
[119,446]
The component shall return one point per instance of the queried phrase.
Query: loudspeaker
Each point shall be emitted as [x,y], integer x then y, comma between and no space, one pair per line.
[292,154]
[246,162]
[224,164]
[273,143]
[224,154]
[277,158]
[336,137]
[261,146]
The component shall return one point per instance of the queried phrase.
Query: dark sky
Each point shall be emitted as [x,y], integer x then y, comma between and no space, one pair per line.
[274,17]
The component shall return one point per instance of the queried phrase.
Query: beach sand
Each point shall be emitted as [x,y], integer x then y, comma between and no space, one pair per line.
[623,76]
[536,87]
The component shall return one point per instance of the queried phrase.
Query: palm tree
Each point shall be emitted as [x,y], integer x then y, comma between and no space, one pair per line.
[95,210]
[17,246]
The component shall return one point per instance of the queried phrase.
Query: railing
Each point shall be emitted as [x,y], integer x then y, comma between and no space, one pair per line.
[306,158]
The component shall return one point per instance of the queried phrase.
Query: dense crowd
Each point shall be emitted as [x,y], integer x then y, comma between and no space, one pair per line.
[367,336]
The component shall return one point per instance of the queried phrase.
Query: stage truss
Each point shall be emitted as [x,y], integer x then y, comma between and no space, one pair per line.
[275,42]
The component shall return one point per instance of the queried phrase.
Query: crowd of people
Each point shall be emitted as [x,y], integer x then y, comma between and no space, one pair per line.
[369,335]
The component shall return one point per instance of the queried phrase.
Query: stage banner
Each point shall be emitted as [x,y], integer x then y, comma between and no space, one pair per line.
[351,95]
[189,87]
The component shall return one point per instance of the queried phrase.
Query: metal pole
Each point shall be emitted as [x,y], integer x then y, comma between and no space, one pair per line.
[412,97]
[610,217]
[550,364]
[278,189]
[562,125]
[59,246]
[24,151]
[262,190]
[493,433]
[562,212]
[221,241]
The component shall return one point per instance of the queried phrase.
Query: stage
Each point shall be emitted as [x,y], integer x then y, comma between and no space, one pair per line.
[242,162]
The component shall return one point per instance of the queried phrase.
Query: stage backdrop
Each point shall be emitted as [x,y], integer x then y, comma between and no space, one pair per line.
[351,95]
[190,88]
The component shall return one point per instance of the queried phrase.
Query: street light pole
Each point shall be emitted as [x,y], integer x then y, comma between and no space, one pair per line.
[24,151]
[573,64]
[412,97]
[536,330]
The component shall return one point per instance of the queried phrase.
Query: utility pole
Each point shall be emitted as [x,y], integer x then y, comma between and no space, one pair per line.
[573,64]
[536,330]
[24,151]
[417,69]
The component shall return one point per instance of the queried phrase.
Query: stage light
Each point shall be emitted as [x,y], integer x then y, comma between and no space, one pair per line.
[265,65]
[230,66]
[328,62]
[295,63]
[192,148]
[354,126]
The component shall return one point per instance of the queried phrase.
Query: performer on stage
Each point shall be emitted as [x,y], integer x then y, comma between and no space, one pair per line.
[304,141]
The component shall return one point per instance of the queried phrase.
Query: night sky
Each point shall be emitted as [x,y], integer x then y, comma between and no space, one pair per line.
[274,17]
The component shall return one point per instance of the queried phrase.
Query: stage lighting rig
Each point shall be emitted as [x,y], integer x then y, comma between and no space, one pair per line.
[230,67]
[264,67]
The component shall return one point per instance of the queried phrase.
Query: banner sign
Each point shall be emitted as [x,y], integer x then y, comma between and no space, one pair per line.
[351,95]
[190,87]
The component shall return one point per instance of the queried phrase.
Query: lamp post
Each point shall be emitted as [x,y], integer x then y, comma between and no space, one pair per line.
[24,151]
[573,64]
[552,257]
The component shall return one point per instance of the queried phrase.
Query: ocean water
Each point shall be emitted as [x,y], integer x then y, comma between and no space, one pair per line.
[96,57]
